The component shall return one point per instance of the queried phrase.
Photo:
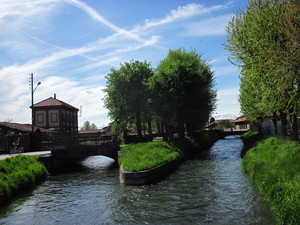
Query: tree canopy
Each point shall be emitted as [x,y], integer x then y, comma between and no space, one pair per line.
[88,126]
[179,95]
[264,42]
[127,94]
[184,86]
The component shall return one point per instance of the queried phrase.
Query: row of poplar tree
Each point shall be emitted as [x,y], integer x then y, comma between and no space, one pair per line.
[178,96]
[264,41]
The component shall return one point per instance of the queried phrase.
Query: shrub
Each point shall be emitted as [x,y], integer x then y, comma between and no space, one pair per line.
[274,167]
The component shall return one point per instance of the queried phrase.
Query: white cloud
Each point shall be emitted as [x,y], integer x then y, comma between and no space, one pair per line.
[210,27]
[182,12]
[78,71]
[228,101]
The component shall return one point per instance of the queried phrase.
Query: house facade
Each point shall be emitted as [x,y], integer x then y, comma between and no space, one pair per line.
[55,115]
[240,124]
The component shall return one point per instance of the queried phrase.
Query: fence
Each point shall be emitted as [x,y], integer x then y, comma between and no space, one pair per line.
[6,142]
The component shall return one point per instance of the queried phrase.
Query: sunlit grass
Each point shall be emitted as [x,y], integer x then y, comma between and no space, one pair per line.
[19,173]
[274,166]
[142,156]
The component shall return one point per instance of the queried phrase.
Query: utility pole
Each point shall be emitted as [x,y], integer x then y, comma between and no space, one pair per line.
[32,112]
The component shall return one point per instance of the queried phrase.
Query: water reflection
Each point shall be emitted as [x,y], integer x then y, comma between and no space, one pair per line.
[211,190]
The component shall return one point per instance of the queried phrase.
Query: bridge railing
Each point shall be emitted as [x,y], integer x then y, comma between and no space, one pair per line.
[75,141]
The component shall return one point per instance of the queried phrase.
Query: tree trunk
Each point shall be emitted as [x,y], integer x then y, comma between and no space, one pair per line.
[158,128]
[139,126]
[188,129]
[150,130]
[283,124]
[144,129]
[180,128]
[275,122]
[294,134]
[163,132]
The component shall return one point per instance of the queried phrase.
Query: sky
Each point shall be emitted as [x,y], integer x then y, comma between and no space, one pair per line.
[71,45]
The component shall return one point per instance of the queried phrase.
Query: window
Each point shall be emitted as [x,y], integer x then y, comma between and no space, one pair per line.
[40,118]
[53,118]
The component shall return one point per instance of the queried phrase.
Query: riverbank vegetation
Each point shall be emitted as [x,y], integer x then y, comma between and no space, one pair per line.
[19,174]
[177,97]
[264,41]
[274,168]
[142,156]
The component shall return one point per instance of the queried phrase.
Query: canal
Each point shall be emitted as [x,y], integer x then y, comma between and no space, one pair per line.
[209,190]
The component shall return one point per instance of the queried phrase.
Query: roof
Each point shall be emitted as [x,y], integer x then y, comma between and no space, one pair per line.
[239,119]
[22,127]
[53,102]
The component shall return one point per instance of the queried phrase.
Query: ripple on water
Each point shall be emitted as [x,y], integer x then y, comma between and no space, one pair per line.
[209,191]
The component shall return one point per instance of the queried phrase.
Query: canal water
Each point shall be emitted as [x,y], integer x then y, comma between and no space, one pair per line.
[209,190]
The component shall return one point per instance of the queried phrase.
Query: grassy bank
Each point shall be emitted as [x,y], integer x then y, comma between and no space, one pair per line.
[19,174]
[141,156]
[274,166]
[250,139]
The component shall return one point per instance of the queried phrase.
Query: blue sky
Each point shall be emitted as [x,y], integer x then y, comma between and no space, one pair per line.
[70,45]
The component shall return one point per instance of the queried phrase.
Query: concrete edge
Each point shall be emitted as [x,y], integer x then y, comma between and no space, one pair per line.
[148,176]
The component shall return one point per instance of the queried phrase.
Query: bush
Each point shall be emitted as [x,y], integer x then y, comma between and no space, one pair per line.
[274,167]
[18,174]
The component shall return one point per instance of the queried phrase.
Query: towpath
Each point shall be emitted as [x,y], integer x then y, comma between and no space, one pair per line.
[26,153]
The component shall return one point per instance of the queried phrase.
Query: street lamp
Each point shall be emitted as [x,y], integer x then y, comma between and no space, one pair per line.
[32,112]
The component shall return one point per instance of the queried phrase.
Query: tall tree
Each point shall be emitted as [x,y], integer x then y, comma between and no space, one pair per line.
[185,90]
[126,94]
[262,44]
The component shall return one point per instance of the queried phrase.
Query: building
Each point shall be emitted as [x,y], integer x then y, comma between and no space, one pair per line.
[240,124]
[56,115]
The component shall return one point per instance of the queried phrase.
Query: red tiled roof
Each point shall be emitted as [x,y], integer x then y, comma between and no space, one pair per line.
[239,119]
[52,102]
[22,127]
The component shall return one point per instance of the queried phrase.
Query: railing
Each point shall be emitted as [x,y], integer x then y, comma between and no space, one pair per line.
[7,141]
[56,141]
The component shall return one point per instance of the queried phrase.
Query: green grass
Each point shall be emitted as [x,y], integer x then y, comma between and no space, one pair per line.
[142,156]
[248,134]
[18,174]
[274,166]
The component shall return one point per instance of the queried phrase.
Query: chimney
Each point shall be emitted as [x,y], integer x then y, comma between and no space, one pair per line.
[54,95]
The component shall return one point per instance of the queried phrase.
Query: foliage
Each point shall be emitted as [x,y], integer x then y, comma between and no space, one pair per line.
[274,167]
[249,134]
[127,94]
[224,124]
[263,41]
[88,126]
[184,90]
[142,156]
[19,173]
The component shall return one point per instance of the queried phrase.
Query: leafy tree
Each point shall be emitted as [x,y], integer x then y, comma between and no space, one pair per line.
[184,90]
[224,124]
[93,126]
[263,42]
[88,126]
[127,94]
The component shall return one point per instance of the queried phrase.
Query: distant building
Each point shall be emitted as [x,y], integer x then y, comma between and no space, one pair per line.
[241,124]
[56,115]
